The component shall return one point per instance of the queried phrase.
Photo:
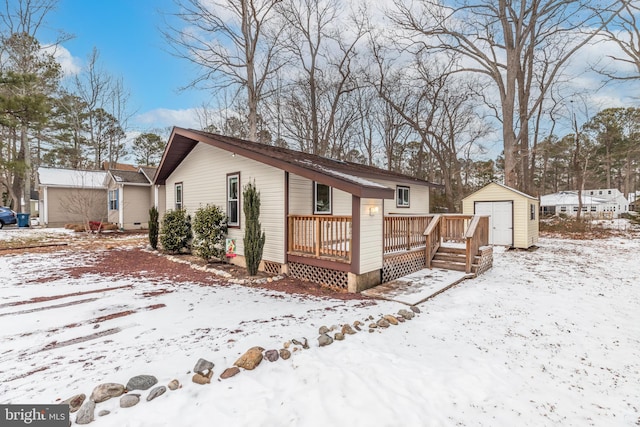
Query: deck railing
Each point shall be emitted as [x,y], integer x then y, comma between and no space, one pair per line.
[433,238]
[404,233]
[476,236]
[320,236]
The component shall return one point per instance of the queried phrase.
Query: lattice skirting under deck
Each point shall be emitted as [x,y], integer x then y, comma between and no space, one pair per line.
[272,267]
[323,276]
[395,266]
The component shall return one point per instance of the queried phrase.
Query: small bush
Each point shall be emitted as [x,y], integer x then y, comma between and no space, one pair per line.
[210,229]
[153,227]
[176,231]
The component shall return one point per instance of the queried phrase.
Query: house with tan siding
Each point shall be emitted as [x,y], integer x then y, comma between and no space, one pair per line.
[70,195]
[325,220]
[130,195]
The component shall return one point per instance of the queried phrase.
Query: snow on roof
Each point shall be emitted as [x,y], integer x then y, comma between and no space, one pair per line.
[71,178]
[569,198]
[352,178]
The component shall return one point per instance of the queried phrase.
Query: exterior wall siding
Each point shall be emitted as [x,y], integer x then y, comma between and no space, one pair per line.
[203,174]
[371,230]
[59,201]
[418,199]
[136,207]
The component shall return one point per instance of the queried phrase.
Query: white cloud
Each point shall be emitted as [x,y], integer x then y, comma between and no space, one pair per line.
[70,64]
[164,117]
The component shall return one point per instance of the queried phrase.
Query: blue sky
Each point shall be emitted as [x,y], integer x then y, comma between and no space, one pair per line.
[127,36]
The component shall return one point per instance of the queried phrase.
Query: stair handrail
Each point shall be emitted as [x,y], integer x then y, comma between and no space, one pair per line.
[476,236]
[432,234]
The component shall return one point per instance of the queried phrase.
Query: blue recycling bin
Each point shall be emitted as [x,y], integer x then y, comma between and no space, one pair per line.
[23,220]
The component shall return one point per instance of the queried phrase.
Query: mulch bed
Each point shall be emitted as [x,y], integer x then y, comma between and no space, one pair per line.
[116,256]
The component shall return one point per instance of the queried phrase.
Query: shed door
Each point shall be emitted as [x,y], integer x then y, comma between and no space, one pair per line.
[500,221]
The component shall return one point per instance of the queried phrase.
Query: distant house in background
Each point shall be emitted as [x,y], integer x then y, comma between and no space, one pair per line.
[513,215]
[600,203]
[130,195]
[119,166]
[68,196]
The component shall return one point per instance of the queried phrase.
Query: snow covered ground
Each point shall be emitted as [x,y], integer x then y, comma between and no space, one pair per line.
[547,337]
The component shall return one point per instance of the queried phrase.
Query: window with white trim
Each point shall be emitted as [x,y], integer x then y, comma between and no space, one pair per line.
[321,199]
[532,211]
[402,197]
[113,200]
[178,196]
[233,200]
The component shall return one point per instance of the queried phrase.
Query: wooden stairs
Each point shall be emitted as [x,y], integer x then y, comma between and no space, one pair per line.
[452,258]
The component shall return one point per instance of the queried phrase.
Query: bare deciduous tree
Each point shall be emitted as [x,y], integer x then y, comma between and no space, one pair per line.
[233,42]
[520,46]
[624,31]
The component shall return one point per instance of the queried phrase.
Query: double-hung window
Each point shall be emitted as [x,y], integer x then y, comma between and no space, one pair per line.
[402,197]
[233,199]
[113,200]
[178,196]
[321,199]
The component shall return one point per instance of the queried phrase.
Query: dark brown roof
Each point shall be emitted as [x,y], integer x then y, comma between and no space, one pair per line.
[351,177]
[128,177]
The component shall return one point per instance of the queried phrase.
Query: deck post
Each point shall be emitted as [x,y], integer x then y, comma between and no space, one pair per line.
[318,236]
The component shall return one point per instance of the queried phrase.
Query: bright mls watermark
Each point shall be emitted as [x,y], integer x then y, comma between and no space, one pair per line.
[34,415]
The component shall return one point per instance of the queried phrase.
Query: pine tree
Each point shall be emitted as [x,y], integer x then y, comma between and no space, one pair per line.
[254,237]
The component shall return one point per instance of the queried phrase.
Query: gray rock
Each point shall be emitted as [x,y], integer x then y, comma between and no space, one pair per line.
[141,382]
[401,319]
[74,402]
[324,339]
[103,413]
[86,412]
[158,391]
[203,366]
[129,400]
[383,323]
[271,355]
[106,391]
[372,325]
[371,330]
[230,372]
[339,336]
[284,354]
[173,385]
[415,309]
[323,330]
[408,315]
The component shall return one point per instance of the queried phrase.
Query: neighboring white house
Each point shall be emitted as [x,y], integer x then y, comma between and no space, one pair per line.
[599,203]
[69,195]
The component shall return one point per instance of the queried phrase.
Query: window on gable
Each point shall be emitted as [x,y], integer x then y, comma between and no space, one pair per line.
[113,200]
[233,199]
[321,198]
[593,208]
[178,190]
[402,197]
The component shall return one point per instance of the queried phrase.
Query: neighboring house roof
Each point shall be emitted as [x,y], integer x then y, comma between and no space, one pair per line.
[119,166]
[513,190]
[351,177]
[129,177]
[149,171]
[569,198]
[71,178]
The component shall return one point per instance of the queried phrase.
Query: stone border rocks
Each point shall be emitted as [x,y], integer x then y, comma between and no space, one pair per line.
[203,369]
